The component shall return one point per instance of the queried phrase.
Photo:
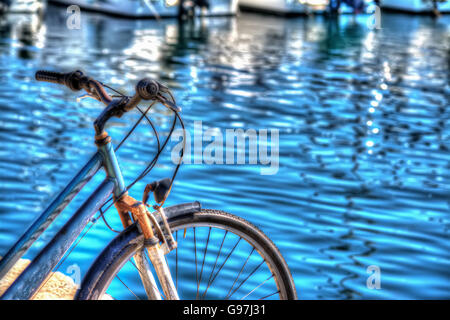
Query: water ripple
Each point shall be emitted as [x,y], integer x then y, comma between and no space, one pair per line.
[363,118]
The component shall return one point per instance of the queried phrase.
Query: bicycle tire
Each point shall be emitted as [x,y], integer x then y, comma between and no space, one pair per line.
[253,235]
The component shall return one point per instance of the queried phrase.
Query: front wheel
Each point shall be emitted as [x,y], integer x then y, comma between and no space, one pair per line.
[219,256]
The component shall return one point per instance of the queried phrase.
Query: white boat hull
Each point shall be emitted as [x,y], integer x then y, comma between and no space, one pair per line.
[25,6]
[414,6]
[146,8]
[282,7]
[292,7]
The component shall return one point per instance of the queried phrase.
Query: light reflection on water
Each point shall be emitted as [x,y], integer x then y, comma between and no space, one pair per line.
[363,119]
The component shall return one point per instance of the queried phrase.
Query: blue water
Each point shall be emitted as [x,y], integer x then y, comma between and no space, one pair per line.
[363,117]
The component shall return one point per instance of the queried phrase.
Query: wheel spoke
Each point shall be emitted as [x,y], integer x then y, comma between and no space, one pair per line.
[217,258]
[127,287]
[251,273]
[203,262]
[226,259]
[176,261]
[195,249]
[257,287]
[240,271]
[269,295]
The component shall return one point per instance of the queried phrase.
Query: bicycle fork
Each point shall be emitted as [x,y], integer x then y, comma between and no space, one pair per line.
[155,252]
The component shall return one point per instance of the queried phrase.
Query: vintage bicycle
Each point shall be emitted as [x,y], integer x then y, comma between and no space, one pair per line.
[158,241]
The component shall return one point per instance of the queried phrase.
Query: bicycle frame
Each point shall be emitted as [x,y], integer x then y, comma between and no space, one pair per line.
[27,284]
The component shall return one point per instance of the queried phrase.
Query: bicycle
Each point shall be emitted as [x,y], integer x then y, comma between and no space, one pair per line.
[150,239]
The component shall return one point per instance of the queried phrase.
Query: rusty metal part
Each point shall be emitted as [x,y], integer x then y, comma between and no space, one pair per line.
[124,205]
[155,252]
[139,212]
[94,87]
[102,138]
[147,190]
[123,214]
[157,227]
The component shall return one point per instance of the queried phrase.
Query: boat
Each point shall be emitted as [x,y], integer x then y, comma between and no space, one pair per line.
[22,6]
[415,6]
[153,9]
[283,7]
[304,7]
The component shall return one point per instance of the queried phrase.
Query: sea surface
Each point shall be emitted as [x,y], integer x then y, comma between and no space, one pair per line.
[363,179]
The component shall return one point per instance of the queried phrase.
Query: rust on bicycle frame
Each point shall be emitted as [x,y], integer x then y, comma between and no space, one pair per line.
[139,211]
[123,214]
[102,139]
[128,204]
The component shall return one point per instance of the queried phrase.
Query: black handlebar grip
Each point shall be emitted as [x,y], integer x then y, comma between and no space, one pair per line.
[50,76]
[74,80]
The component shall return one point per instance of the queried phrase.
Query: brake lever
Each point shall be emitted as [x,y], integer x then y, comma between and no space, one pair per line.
[169,104]
[87,95]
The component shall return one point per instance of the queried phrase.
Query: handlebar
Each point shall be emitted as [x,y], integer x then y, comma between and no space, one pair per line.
[50,76]
[146,89]
[76,81]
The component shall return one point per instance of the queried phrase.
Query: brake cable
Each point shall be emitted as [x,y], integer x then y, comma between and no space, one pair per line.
[142,175]
[179,162]
[144,114]
[118,146]
[151,165]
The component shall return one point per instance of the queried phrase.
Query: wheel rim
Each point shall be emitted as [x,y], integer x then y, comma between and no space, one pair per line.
[212,261]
